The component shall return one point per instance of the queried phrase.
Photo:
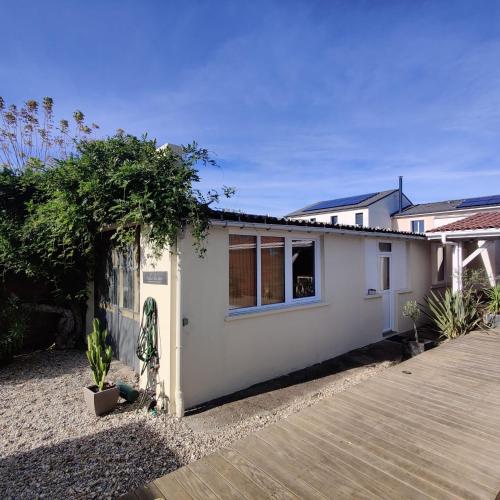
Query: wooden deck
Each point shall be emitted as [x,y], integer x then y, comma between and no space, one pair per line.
[431,433]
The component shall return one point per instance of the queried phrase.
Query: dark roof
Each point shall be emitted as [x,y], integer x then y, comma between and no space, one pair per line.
[351,202]
[482,220]
[222,215]
[447,205]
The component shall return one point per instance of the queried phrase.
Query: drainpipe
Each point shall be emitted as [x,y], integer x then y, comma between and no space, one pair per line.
[400,194]
[179,401]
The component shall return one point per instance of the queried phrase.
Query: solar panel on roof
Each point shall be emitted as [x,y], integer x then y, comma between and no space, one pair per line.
[480,202]
[339,202]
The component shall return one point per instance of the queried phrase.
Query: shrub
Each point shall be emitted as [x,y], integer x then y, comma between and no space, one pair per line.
[13,325]
[493,295]
[98,354]
[453,314]
[412,311]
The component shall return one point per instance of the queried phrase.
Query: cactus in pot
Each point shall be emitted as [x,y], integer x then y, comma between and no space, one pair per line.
[98,398]
[98,354]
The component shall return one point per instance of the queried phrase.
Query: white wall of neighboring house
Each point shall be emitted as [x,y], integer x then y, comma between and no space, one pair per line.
[377,214]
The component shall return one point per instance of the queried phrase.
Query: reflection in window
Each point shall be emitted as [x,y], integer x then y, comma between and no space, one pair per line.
[303,269]
[440,263]
[385,273]
[129,269]
[272,251]
[385,247]
[242,271]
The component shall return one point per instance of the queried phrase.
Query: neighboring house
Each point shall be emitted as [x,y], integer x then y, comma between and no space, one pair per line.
[427,217]
[366,210]
[270,296]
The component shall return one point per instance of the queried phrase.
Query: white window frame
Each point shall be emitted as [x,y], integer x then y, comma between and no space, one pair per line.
[362,214]
[418,222]
[289,300]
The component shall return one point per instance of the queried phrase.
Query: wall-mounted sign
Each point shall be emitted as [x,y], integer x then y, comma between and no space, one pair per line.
[155,277]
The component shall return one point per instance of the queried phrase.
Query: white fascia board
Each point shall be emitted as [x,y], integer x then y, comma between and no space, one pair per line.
[306,229]
[451,211]
[475,233]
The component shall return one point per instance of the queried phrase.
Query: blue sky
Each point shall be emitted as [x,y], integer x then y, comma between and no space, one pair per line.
[299,100]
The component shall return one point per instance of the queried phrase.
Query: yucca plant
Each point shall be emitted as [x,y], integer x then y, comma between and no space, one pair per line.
[98,354]
[493,295]
[453,314]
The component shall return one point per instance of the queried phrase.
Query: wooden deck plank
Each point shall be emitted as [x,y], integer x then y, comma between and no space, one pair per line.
[434,433]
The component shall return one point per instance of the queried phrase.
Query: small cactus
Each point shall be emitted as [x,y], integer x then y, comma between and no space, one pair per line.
[98,354]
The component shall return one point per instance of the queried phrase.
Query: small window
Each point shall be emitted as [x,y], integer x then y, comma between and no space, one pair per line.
[335,219]
[242,271]
[303,269]
[272,252]
[440,263]
[385,273]
[385,247]
[417,226]
[359,218]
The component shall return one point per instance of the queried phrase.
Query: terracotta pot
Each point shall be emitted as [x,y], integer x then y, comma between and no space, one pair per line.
[100,402]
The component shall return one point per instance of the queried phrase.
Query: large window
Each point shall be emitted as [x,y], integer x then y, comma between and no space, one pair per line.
[271,270]
[358,218]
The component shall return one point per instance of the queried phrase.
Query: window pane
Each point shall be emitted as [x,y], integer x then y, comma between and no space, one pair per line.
[303,269]
[385,247]
[359,218]
[272,251]
[417,226]
[242,271]
[385,273]
[335,219]
[440,264]
[129,269]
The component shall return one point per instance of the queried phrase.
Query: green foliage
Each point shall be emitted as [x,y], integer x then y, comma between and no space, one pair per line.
[493,295]
[454,314]
[411,310]
[98,354]
[13,324]
[52,217]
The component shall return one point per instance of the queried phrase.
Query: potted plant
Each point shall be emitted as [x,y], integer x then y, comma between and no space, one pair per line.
[493,295]
[101,397]
[412,312]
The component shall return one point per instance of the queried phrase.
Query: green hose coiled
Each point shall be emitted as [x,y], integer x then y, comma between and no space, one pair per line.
[147,350]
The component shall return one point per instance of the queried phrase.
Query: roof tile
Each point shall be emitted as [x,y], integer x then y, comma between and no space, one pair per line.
[483,220]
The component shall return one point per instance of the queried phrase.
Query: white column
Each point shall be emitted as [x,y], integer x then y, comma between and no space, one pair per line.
[457,267]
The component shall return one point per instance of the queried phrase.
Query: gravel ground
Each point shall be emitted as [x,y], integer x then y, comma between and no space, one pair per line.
[51,447]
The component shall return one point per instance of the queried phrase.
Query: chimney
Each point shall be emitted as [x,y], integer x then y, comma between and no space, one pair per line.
[400,205]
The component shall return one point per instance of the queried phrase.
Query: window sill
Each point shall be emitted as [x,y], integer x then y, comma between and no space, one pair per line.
[404,291]
[438,285]
[275,310]
[372,296]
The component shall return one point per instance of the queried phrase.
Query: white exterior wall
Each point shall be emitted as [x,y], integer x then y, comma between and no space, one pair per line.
[222,354]
[346,218]
[163,296]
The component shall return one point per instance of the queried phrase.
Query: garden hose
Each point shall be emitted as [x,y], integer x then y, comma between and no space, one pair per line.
[147,350]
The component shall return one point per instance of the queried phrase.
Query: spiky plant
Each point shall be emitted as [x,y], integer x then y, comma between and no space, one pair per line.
[493,295]
[98,354]
[453,314]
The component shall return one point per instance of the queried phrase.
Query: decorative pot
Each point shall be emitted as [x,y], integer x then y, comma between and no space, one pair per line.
[415,348]
[100,402]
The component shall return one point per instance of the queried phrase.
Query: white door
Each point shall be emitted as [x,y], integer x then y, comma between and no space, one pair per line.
[385,289]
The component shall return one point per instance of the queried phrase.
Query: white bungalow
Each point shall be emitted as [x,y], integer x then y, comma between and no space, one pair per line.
[269,297]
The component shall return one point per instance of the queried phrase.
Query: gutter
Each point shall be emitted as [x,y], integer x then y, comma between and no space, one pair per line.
[179,399]
[311,229]
[466,234]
